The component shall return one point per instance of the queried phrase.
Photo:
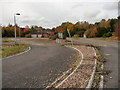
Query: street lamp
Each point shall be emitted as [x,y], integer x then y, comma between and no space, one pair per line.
[15,24]
[0,36]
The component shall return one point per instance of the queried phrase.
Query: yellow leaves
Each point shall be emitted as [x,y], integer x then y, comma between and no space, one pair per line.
[70,27]
[105,24]
[60,29]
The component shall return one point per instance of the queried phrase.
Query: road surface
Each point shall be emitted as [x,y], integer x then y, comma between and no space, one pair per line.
[37,68]
[109,50]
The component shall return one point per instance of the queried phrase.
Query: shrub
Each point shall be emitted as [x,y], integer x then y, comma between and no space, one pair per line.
[27,36]
[107,34]
[64,37]
[100,31]
[53,37]
[76,36]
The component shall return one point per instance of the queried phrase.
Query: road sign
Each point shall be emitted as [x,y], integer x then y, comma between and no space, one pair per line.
[60,35]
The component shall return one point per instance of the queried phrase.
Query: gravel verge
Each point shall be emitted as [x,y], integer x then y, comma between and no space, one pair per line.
[81,76]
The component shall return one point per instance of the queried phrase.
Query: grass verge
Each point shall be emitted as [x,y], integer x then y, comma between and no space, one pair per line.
[8,50]
[7,41]
[109,38]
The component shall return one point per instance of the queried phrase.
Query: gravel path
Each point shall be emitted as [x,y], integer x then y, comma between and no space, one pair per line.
[82,75]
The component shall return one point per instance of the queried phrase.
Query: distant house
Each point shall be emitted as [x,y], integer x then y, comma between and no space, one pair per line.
[40,34]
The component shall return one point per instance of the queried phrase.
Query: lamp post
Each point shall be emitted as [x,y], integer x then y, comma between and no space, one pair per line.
[19,32]
[15,24]
[0,36]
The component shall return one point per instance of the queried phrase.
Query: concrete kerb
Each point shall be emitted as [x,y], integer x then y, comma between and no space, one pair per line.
[29,48]
[66,71]
[102,80]
[92,74]
[74,69]
[59,78]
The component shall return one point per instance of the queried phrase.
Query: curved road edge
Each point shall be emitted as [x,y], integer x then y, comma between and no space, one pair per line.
[66,71]
[74,69]
[90,81]
[29,48]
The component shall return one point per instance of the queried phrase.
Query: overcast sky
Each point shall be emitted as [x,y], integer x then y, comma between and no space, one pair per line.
[51,13]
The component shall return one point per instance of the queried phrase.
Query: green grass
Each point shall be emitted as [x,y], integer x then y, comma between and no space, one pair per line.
[7,41]
[8,50]
[108,38]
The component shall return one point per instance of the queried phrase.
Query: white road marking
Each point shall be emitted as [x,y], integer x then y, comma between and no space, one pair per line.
[107,54]
[59,78]
[74,70]
[92,75]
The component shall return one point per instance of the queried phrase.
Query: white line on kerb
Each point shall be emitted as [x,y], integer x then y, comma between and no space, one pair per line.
[59,78]
[102,79]
[92,75]
[29,48]
[74,70]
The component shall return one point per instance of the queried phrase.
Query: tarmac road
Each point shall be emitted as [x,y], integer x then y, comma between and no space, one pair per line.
[109,50]
[37,68]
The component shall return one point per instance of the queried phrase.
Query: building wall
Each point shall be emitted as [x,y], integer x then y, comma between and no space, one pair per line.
[39,36]
[34,35]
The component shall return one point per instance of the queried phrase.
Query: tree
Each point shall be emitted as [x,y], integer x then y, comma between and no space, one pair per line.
[93,32]
[102,23]
[87,32]
[112,23]
[117,28]
[100,31]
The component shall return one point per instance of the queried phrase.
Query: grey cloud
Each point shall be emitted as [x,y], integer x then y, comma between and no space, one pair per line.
[50,14]
[119,8]
[91,13]
[110,6]
[77,5]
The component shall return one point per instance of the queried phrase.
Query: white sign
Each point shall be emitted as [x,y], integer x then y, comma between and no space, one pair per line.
[60,35]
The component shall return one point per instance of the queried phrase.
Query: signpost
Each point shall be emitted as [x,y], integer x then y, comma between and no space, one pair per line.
[60,36]
[70,36]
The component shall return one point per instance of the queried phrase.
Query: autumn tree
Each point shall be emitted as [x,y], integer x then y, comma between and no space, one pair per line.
[112,23]
[87,32]
[93,32]
[117,28]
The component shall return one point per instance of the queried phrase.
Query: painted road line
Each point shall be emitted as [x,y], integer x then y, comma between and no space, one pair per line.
[59,78]
[107,54]
[92,75]
[74,70]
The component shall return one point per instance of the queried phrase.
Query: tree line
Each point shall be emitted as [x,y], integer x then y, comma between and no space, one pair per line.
[104,28]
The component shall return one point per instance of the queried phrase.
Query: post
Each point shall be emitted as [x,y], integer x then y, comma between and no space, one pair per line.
[19,32]
[70,36]
[15,27]
[0,37]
